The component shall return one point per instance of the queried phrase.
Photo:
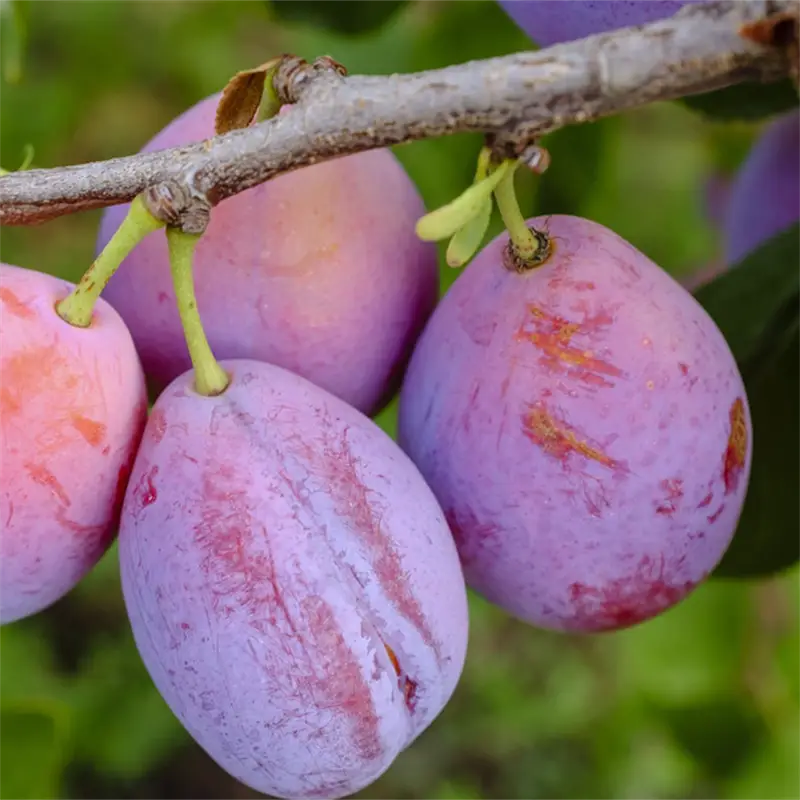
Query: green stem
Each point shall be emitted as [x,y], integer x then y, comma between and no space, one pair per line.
[209,377]
[77,307]
[523,241]
[484,162]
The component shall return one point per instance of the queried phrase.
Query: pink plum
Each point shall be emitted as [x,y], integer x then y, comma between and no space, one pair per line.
[72,411]
[318,271]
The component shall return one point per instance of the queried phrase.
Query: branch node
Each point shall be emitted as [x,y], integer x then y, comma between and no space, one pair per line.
[295,75]
[178,206]
[520,143]
[782,30]
[535,158]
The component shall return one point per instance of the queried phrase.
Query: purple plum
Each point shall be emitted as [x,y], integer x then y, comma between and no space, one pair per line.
[550,22]
[584,427]
[291,582]
[318,271]
[765,196]
[72,412]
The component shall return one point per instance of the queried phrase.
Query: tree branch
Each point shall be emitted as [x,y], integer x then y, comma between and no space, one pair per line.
[513,99]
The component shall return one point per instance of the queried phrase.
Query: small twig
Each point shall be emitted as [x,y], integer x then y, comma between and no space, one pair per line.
[514,100]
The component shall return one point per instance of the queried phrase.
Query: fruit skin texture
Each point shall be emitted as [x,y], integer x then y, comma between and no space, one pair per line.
[765,196]
[575,424]
[318,271]
[72,411]
[273,542]
[550,22]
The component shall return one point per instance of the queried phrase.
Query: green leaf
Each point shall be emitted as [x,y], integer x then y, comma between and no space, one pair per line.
[774,771]
[123,727]
[719,732]
[32,754]
[756,306]
[28,668]
[766,538]
[746,300]
[14,27]
[687,654]
[348,17]
[745,101]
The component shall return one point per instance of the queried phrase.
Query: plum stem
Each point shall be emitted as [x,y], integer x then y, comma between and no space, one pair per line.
[523,242]
[78,306]
[209,377]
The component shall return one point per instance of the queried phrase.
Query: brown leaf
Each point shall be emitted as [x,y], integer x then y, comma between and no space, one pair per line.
[240,100]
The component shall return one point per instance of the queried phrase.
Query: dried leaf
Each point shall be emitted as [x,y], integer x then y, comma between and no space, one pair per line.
[241,97]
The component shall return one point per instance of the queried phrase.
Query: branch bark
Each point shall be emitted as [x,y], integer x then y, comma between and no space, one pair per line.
[513,99]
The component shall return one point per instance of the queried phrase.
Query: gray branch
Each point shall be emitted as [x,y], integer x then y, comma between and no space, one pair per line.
[513,99]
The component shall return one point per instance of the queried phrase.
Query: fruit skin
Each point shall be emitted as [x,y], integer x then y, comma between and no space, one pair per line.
[72,411]
[273,541]
[765,195]
[318,271]
[575,424]
[550,22]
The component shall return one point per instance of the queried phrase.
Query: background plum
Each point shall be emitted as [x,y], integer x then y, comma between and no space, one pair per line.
[291,582]
[765,195]
[550,22]
[318,271]
[585,428]
[72,410]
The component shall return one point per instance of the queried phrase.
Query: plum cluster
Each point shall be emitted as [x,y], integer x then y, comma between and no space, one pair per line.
[574,444]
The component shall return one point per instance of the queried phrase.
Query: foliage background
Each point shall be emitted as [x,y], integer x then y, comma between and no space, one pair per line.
[701,702]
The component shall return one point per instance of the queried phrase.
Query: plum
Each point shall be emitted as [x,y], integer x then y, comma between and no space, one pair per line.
[765,196]
[318,271]
[584,427]
[550,22]
[291,582]
[72,411]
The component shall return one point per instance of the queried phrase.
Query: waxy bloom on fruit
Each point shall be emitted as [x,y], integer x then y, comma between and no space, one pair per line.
[292,584]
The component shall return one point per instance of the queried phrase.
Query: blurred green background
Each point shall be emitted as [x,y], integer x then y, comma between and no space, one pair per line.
[701,702]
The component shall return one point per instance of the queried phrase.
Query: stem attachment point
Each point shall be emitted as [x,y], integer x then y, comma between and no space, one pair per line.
[527,248]
[77,307]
